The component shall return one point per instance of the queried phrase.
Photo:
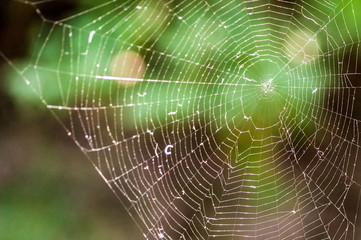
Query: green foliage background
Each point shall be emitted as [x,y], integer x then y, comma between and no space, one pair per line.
[49,193]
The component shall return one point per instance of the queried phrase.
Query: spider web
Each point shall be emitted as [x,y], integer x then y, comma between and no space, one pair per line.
[213,119]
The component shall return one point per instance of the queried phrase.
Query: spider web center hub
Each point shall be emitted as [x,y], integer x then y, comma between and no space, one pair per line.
[264,96]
